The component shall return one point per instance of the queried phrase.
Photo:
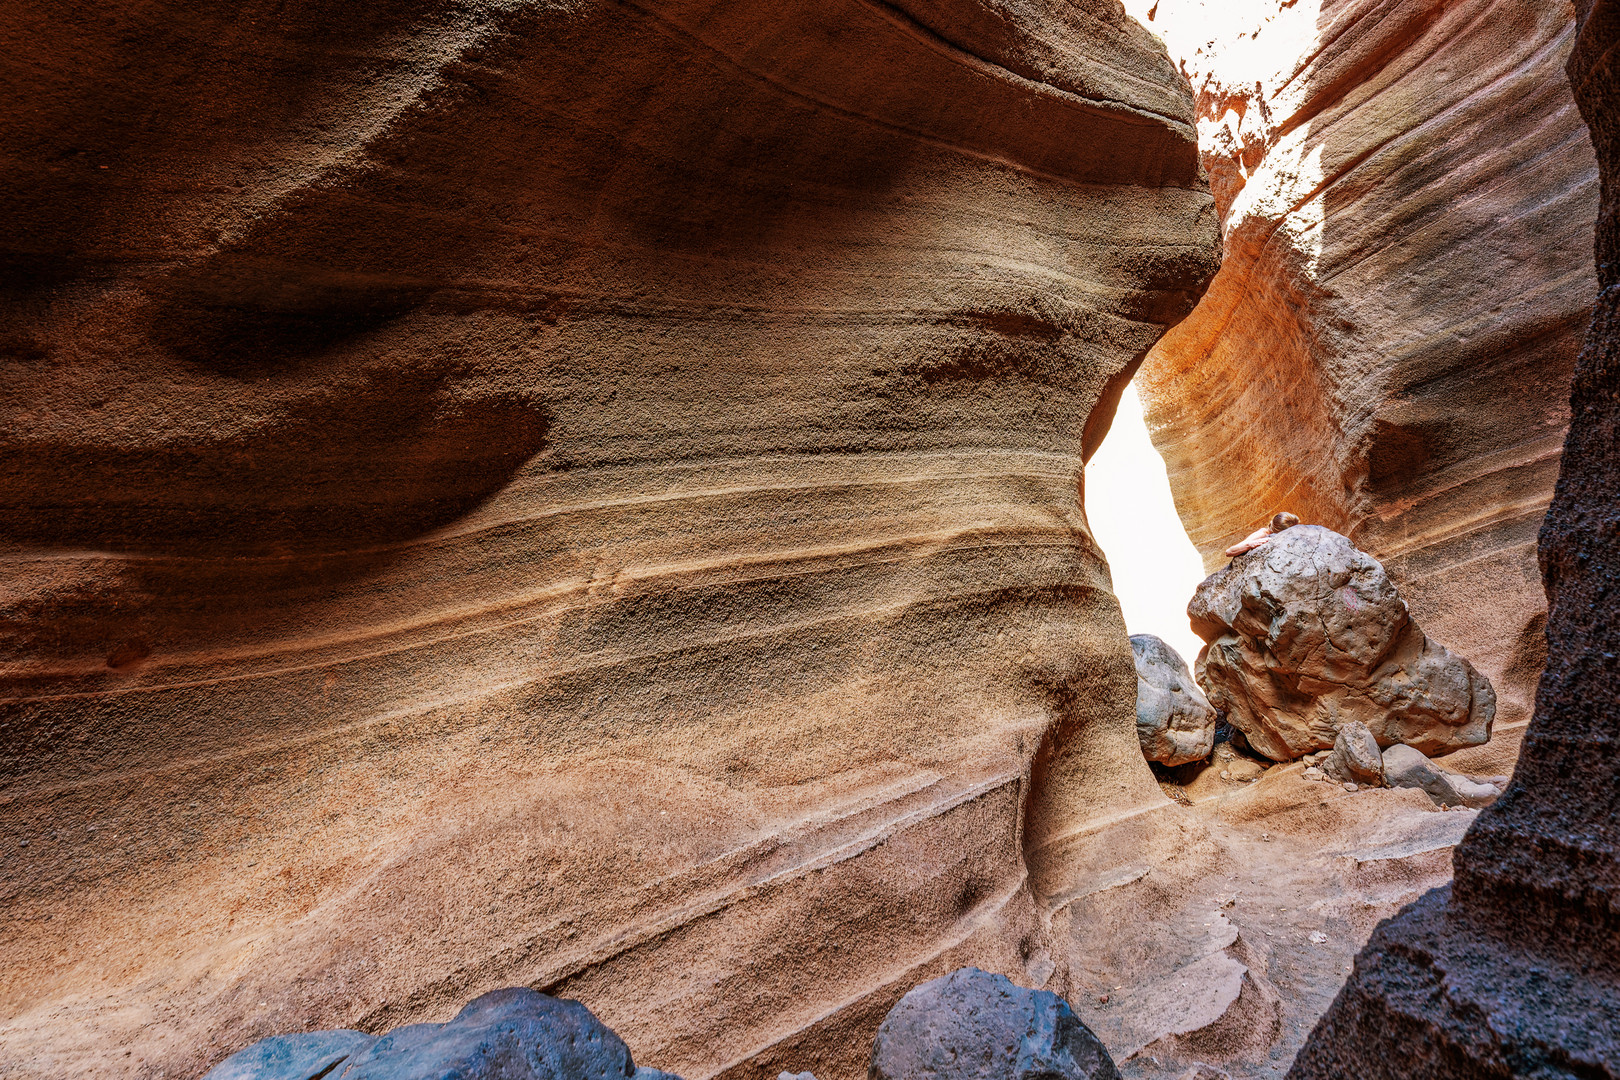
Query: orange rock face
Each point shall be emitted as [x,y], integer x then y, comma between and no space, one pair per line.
[1407,191]
[578,495]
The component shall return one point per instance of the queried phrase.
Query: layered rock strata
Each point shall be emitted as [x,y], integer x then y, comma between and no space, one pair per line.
[571,495]
[1515,969]
[1307,634]
[1406,189]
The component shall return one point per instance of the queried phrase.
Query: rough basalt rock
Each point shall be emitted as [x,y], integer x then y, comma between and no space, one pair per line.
[512,1034]
[1407,191]
[578,495]
[1306,634]
[971,1025]
[1175,722]
[1515,969]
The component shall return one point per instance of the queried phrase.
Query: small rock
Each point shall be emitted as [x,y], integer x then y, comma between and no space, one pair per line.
[1175,723]
[1350,787]
[292,1057]
[1313,773]
[971,1025]
[795,1076]
[1405,767]
[1318,937]
[1225,775]
[1355,756]
[1201,1071]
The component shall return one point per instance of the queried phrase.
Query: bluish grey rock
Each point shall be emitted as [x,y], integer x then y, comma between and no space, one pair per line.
[971,1025]
[513,1034]
[292,1057]
[1175,723]
[1405,767]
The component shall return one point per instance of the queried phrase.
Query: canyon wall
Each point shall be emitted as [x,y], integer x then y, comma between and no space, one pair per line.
[1515,969]
[576,494]
[1407,193]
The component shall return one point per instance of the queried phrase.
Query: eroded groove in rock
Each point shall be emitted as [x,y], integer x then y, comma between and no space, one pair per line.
[1407,190]
[570,494]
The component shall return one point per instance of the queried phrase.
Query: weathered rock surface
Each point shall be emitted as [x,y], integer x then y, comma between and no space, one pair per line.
[513,1034]
[1355,757]
[1515,970]
[971,1025]
[1405,767]
[1175,722]
[1306,633]
[572,495]
[1407,190]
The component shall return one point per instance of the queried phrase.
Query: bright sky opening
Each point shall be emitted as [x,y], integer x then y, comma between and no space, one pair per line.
[1155,567]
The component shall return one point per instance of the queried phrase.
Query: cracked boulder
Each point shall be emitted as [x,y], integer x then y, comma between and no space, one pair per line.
[1174,720]
[1306,634]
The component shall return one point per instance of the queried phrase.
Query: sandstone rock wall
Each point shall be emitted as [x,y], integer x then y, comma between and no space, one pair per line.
[574,494]
[1407,192]
[1514,970]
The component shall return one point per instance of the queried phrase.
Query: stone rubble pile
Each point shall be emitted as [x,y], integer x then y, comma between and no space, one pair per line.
[1312,655]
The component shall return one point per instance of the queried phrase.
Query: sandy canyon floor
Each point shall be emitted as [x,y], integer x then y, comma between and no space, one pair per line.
[1228,946]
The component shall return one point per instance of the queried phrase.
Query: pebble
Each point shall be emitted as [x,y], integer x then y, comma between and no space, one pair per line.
[1349,787]
[1225,775]
[1313,773]
[1318,937]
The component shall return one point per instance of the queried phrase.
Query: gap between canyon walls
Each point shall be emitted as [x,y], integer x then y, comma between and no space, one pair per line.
[1407,190]
[569,494]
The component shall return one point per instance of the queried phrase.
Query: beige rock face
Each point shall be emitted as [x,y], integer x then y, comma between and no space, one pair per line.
[570,495]
[1407,192]
[1307,634]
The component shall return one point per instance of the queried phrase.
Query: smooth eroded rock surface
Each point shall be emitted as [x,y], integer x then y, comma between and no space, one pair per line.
[1306,634]
[971,1025]
[1408,192]
[1174,720]
[576,495]
[1515,969]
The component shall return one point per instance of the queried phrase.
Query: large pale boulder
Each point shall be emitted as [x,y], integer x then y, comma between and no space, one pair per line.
[1175,722]
[1306,634]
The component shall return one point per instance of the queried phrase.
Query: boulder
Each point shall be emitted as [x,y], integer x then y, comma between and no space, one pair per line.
[512,1034]
[971,1025]
[1355,757]
[1174,720]
[1307,634]
[1405,767]
[292,1057]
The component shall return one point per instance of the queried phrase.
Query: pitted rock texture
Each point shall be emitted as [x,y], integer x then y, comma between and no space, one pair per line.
[972,1025]
[511,1034]
[1306,633]
[1407,191]
[577,495]
[1515,970]
[1175,722]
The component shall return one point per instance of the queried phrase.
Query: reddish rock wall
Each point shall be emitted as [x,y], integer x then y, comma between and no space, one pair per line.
[1407,192]
[580,495]
[1515,971]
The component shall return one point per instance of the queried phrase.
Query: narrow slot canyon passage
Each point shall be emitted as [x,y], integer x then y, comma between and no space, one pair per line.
[1132,515]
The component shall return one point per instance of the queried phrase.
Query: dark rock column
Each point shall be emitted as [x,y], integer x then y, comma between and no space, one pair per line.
[1515,970]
